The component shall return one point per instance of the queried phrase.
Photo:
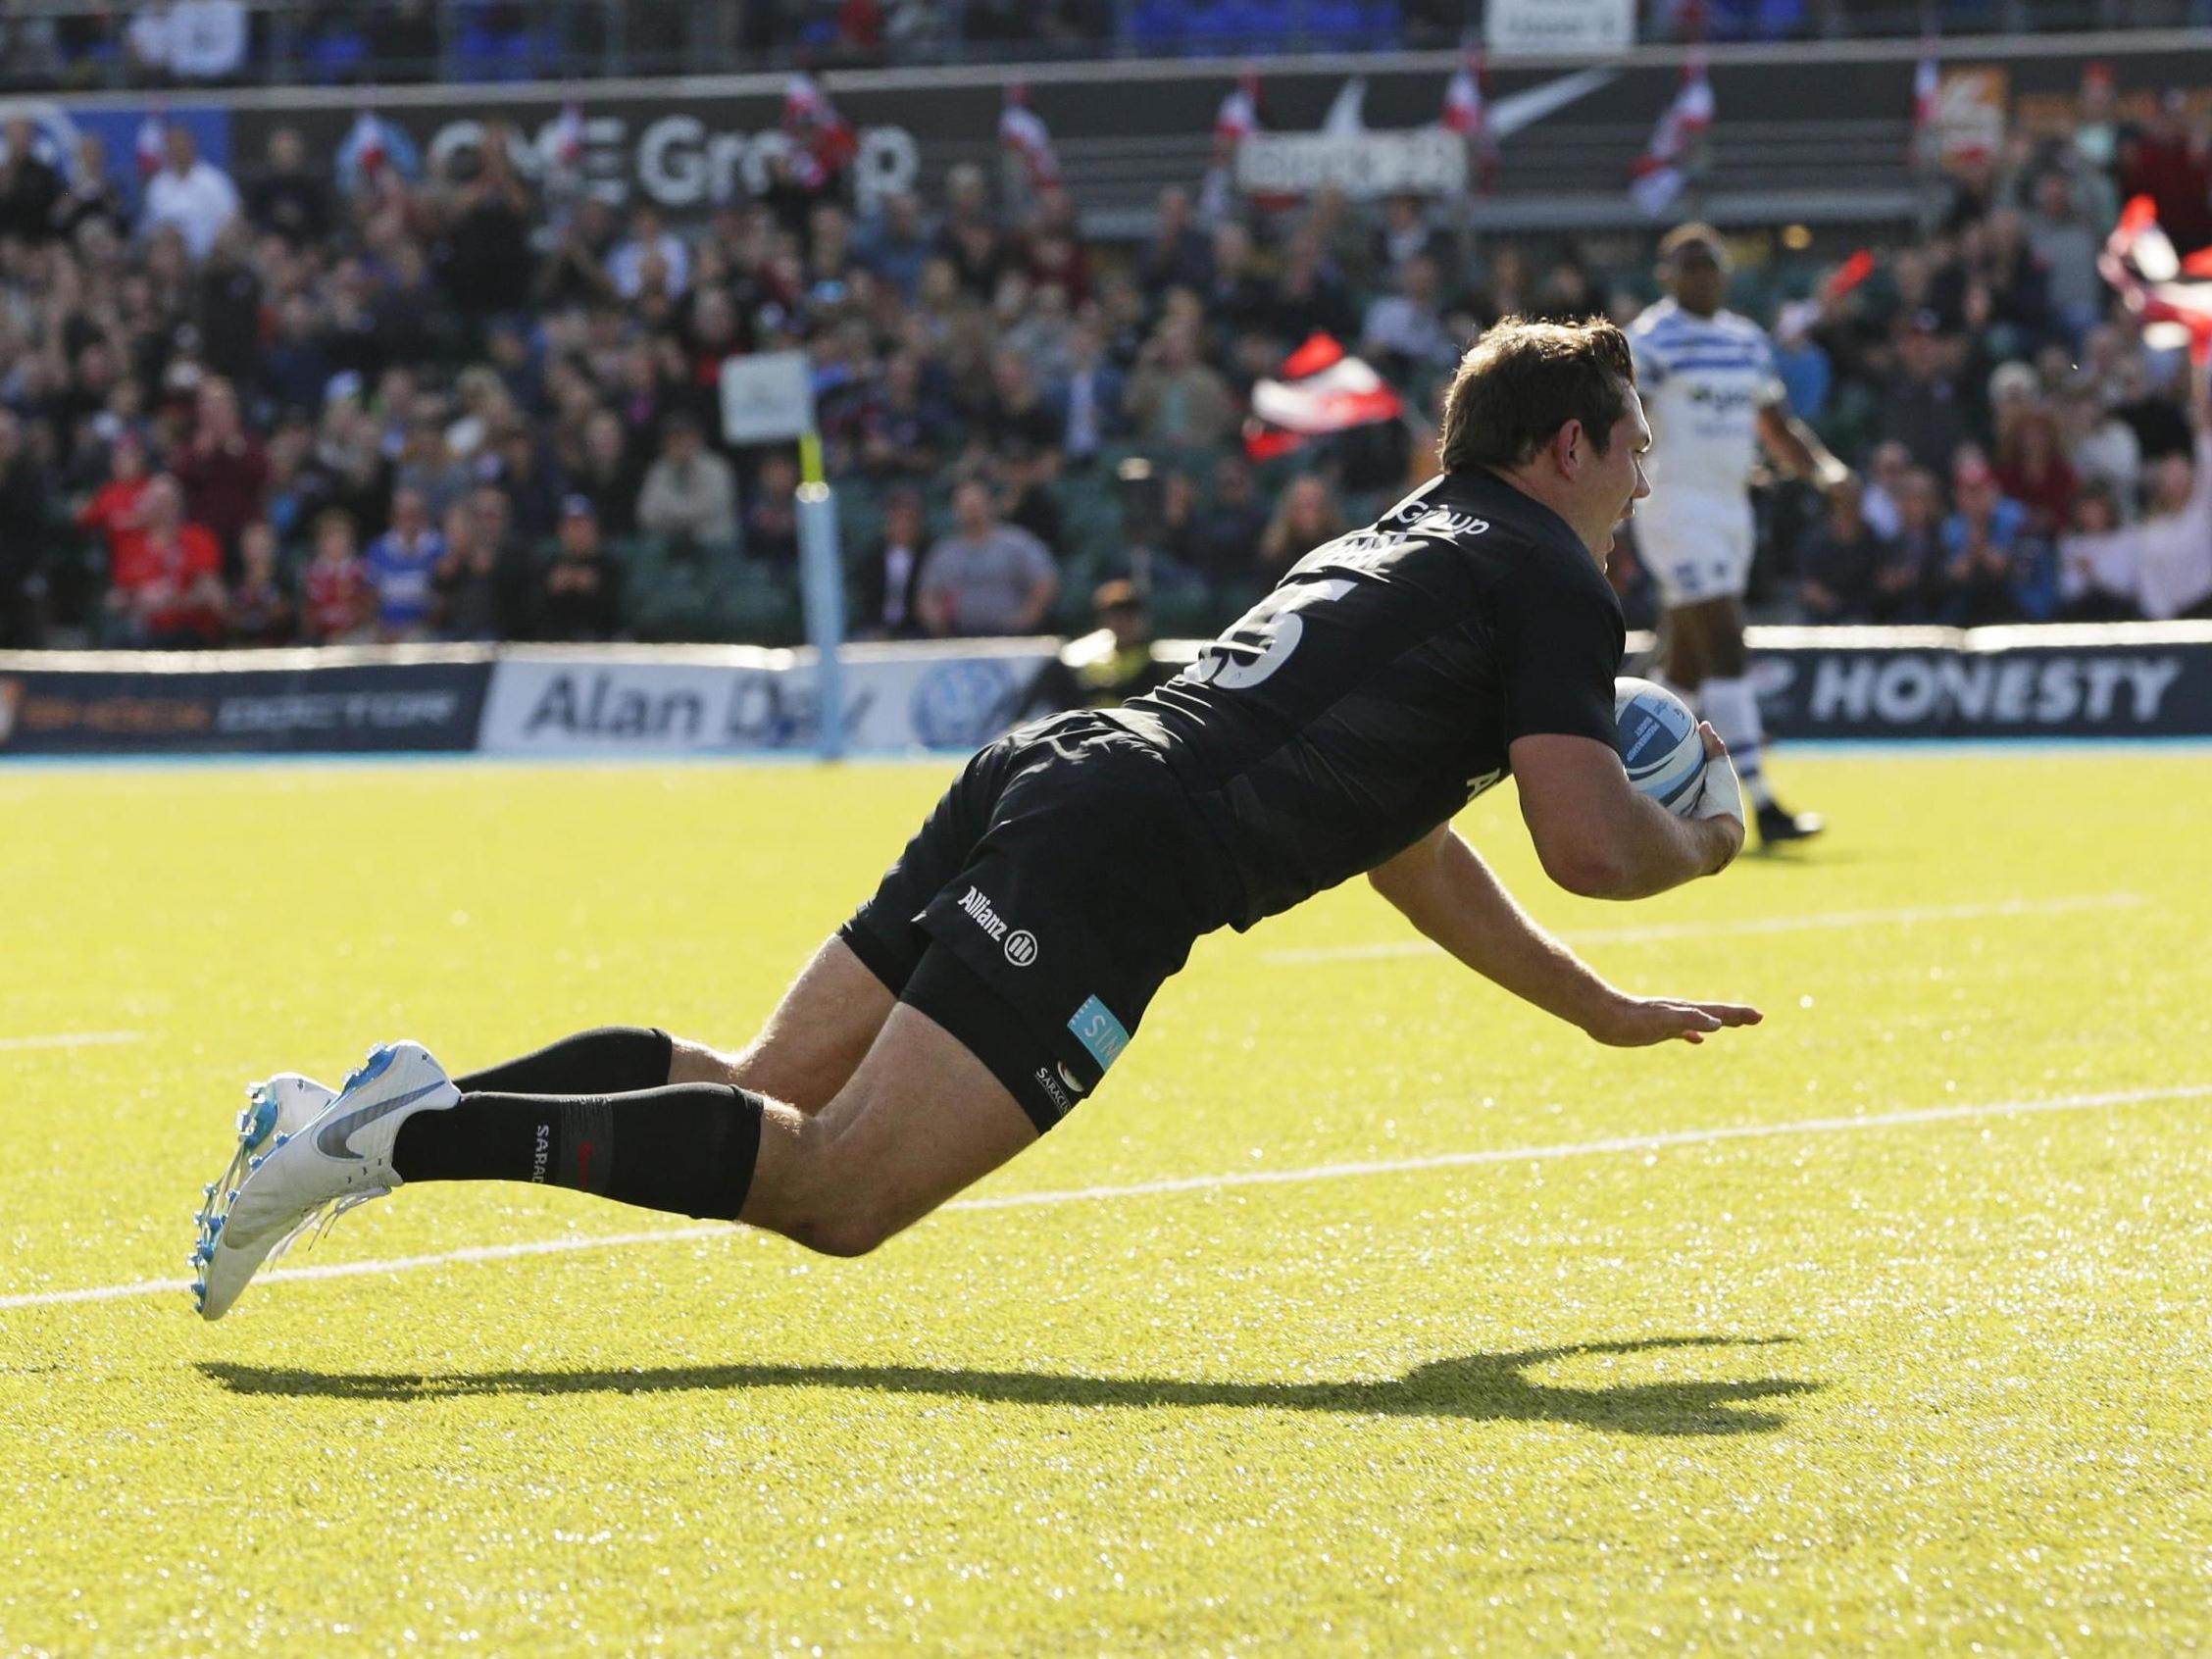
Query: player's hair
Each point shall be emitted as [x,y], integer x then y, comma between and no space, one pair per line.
[1696,234]
[1524,381]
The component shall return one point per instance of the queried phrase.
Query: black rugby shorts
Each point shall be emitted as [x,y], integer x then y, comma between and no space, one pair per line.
[1042,903]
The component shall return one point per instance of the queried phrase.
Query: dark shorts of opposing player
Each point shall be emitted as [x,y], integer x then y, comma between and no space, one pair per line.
[1046,897]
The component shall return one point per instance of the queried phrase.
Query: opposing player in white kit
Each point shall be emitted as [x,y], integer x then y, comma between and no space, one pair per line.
[1713,396]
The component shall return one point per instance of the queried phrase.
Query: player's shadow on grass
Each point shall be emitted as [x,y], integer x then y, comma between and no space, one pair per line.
[1481,1388]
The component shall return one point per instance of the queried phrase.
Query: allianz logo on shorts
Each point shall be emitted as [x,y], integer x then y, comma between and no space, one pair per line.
[1018,944]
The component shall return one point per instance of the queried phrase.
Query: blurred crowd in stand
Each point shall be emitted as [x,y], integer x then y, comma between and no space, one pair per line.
[482,405]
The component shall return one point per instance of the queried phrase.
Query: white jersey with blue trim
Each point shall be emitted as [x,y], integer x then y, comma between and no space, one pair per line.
[1703,380]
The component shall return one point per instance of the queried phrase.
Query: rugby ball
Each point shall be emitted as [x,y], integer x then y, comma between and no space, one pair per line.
[1657,736]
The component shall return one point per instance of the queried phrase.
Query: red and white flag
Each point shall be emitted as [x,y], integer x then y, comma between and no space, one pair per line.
[367,145]
[1236,121]
[2171,296]
[1467,112]
[1657,177]
[825,141]
[1021,131]
[567,137]
[1795,320]
[1321,390]
[152,146]
[1928,100]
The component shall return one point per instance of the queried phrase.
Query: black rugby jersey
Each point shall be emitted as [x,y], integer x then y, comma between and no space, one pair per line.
[1374,693]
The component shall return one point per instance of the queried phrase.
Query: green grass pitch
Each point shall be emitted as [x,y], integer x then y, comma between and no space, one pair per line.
[1586,1352]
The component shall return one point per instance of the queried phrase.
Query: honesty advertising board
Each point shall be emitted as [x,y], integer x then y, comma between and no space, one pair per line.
[2140,680]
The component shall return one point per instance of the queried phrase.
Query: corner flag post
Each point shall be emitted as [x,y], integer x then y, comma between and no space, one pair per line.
[768,397]
[822,587]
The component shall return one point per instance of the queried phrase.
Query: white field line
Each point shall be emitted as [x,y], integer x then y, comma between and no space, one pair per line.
[1717,930]
[1194,1184]
[71,1039]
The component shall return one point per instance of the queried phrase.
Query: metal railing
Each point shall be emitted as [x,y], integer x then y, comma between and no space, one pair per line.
[83,45]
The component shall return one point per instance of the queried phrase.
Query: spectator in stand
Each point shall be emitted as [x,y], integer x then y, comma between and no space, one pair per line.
[177,601]
[1405,331]
[529,475]
[580,597]
[901,423]
[1921,407]
[575,273]
[477,584]
[90,196]
[188,194]
[2102,447]
[489,267]
[116,511]
[1306,516]
[22,538]
[771,520]
[1177,255]
[1843,559]
[2067,247]
[1092,396]
[224,467]
[894,242]
[2173,539]
[1310,296]
[887,578]
[1906,583]
[651,248]
[1217,540]
[290,198]
[986,578]
[30,189]
[1993,571]
[1014,421]
[2160,427]
[690,493]
[2032,470]
[2099,568]
[403,565]
[968,240]
[427,464]
[1885,473]
[1237,297]
[336,596]
[261,610]
[1176,398]
[207,40]
[228,309]
[1406,234]
[604,469]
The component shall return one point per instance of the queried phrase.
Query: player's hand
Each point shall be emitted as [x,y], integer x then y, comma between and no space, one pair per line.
[1632,1022]
[1720,802]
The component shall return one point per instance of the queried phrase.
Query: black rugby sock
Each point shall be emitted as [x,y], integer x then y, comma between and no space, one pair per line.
[611,1060]
[688,1148]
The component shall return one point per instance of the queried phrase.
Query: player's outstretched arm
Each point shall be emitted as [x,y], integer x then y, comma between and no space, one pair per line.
[1797,448]
[1597,836]
[1444,888]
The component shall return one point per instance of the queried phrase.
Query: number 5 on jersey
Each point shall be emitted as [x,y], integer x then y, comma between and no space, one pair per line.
[1264,640]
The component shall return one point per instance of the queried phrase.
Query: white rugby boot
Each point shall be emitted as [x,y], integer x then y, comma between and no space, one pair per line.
[311,1174]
